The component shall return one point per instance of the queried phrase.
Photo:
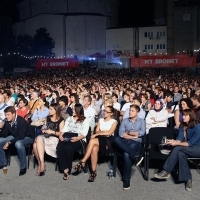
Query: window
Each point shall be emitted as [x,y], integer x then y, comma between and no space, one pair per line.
[157,46]
[157,34]
[186,17]
[160,46]
[145,34]
[149,34]
[160,34]
[163,33]
[151,46]
[145,47]
[163,46]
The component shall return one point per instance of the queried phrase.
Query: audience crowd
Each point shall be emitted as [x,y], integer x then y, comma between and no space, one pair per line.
[65,105]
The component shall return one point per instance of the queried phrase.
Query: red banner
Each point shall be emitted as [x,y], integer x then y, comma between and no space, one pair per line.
[164,61]
[57,63]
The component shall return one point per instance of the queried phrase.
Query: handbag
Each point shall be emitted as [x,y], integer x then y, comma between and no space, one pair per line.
[37,122]
[29,115]
[68,135]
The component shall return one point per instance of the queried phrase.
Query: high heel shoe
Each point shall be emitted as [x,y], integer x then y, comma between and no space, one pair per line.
[92,176]
[66,176]
[42,173]
[79,167]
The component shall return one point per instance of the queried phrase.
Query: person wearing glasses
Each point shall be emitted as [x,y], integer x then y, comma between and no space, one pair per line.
[100,142]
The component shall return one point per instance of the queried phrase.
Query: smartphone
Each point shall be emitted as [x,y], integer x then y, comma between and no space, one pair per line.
[164,140]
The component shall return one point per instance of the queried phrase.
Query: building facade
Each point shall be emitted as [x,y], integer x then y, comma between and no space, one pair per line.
[77,27]
[152,40]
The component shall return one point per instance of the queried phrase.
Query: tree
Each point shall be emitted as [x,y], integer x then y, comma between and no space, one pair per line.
[43,43]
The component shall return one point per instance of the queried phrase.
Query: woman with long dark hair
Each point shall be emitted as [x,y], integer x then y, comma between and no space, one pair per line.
[187,144]
[178,115]
[55,97]
[76,124]
[73,100]
[100,142]
[47,142]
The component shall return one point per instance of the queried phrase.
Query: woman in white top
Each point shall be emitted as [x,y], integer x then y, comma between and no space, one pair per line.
[158,117]
[99,142]
[65,149]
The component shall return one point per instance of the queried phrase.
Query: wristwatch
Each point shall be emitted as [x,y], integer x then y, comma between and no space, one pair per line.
[9,142]
[128,132]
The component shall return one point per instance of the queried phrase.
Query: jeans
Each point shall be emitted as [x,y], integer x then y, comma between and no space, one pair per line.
[131,150]
[19,145]
[180,154]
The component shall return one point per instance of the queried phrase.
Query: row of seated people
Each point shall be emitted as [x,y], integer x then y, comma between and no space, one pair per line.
[15,130]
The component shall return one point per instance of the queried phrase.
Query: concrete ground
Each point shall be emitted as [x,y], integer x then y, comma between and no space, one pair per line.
[53,187]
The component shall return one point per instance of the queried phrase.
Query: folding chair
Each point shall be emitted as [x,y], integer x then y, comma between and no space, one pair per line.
[154,139]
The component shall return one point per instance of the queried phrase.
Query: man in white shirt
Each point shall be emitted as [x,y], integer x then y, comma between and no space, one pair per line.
[127,105]
[89,112]
[136,101]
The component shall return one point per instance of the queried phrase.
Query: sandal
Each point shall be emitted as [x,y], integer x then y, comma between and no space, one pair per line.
[66,176]
[42,173]
[79,167]
[93,176]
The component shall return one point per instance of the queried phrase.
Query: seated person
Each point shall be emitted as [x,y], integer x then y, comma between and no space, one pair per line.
[22,108]
[130,131]
[65,149]
[16,131]
[178,116]
[66,111]
[116,104]
[41,111]
[158,117]
[196,103]
[136,101]
[100,142]
[49,140]
[186,144]
[3,105]
[146,104]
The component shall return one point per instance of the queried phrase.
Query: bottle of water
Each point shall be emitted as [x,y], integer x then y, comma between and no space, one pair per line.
[110,173]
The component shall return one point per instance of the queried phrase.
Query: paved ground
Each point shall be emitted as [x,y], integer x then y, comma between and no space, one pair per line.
[51,186]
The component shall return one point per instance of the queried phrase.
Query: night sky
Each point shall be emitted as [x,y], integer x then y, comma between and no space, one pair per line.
[131,12]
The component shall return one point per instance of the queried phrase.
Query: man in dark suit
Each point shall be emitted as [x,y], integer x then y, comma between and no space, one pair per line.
[15,131]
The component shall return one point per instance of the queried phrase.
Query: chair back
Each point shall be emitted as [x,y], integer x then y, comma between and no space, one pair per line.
[155,134]
[88,136]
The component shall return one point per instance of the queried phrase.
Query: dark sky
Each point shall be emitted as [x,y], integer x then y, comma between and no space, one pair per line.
[133,13]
